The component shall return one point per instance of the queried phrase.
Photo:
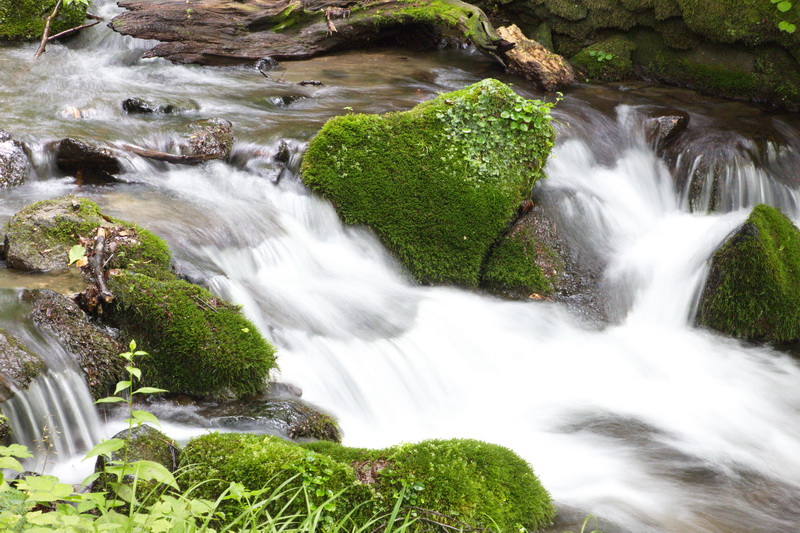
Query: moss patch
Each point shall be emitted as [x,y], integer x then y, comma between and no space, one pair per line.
[514,266]
[438,183]
[608,60]
[24,20]
[198,344]
[478,485]
[753,289]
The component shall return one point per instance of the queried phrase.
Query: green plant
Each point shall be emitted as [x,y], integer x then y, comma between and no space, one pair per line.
[783,6]
[585,525]
[601,56]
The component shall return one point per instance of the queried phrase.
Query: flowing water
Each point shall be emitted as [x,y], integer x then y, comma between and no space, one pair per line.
[645,421]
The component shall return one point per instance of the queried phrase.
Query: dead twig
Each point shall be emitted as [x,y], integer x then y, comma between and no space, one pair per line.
[46,34]
[96,262]
[73,30]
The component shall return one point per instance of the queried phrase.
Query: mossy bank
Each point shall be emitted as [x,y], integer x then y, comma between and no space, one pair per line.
[753,288]
[468,483]
[440,183]
[24,20]
[730,48]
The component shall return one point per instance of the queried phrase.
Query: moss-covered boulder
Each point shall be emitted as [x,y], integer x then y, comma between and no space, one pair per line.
[607,60]
[466,483]
[39,237]
[97,351]
[24,20]
[18,366]
[753,287]
[439,183]
[5,431]
[197,344]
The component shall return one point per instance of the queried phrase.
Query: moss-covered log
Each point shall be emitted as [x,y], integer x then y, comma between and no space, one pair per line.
[24,20]
[753,288]
[439,183]
[218,32]
[466,483]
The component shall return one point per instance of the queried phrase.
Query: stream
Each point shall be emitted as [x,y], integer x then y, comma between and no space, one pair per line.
[647,422]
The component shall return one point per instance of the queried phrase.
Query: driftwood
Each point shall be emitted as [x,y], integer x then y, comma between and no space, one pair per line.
[226,32]
[73,30]
[97,263]
[170,158]
[46,34]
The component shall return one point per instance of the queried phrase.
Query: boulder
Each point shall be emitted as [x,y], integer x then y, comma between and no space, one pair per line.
[6,432]
[547,70]
[607,60]
[753,286]
[14,162]
[212,138]
[473,484]
[138,106]
[18,366]
[663,125]
[87,160]
[97,350]
[439,183]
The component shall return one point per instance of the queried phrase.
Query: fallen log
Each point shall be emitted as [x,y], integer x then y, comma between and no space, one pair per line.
[170,158]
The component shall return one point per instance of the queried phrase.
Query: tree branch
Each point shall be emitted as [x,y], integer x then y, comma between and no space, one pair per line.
[73,30]
[46,33]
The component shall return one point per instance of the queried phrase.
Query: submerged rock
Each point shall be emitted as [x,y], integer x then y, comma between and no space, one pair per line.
[439,183]
[97,351]
[87,160]
[530,59]
[14,162]
[18,366]
[753,287]
[477,485]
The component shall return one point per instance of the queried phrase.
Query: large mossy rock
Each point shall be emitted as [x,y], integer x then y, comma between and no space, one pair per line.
[97,351]
[466,483]
[197,344]
[39,237]
[753,288]
[439,183]
[24,20]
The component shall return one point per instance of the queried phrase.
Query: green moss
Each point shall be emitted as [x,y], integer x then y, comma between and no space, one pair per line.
[198,344]
[592,59]
[477,484]
[753,290]
[439,183]
[24,20]
[5,430]
[514,266]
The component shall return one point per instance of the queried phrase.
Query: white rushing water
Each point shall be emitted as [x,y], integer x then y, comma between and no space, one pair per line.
[649,423]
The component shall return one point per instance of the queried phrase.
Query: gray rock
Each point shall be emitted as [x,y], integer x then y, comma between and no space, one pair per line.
[97,351]
[212,138]
[18,366]
[14,162]
[663,125]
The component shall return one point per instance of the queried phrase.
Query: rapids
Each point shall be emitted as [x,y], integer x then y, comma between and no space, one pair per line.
[647,422]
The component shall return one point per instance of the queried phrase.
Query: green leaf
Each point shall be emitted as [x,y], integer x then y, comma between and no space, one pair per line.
[110,399]
[121,386]
[106,447]
[140,417]
[10,463]
[15,450]
[148,390]
[150,470]
[44,488]
[788,27]
[76,252]
[132,345]
[134,371]
[784,6]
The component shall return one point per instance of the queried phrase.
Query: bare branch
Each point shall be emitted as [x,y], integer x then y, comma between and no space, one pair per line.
[73,30]
[46,33]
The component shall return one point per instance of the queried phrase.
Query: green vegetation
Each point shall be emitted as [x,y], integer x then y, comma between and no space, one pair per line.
[753,289]
[473,484]
[514,266]
[24,20]
[198,344]
[608,60]
[439,183]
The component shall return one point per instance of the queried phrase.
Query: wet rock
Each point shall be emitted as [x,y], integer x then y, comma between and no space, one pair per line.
[663,125]
[38,238]
[287,417]
[266,64]
[142,443]
[530,59]
[97,350]
[18,366]
[285,100]
[212,138]
[14,163]
[87,160]
[137,106]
